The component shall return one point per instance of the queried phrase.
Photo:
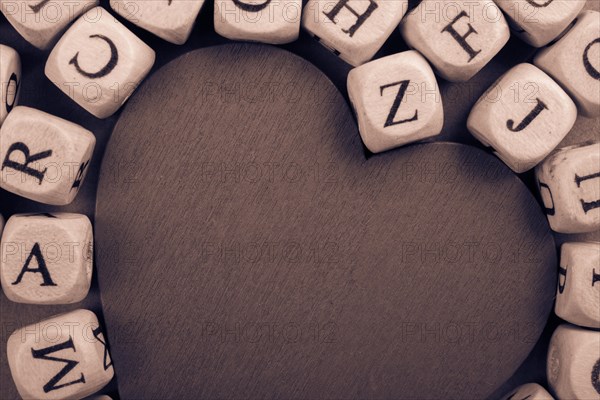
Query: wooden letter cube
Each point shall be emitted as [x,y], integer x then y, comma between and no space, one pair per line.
[529,391]
[573,366]
[99,63]
[354,29]
[47,258]
[10,80]
[569,183]
[538,22]
[578,294]
[523,117]
[41,22]
[266,21]
[397,101]
[63,357]
[574,61]
[459,38]
[171,20]
[44,158]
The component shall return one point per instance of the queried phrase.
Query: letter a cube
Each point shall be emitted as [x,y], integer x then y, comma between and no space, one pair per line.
[47,258]
[63,357]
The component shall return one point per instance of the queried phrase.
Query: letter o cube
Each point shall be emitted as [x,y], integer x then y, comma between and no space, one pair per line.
[10,80]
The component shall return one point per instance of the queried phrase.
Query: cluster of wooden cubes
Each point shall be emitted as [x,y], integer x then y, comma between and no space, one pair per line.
[98,63]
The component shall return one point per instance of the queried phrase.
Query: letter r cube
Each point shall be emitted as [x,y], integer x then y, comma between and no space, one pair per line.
[63,357]
[44,158]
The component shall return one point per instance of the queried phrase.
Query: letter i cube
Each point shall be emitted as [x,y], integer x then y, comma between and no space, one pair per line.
[569,183]
[578,294]
[63,357]
[47,258]
[10,80]
[44,158]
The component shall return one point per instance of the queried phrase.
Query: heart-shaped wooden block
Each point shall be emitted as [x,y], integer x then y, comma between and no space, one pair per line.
[247,247]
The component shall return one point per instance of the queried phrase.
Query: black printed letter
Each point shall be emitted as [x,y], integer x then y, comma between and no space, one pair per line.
[80,174]
[562,279]
[536,4]
[587,206]
[586,60]
[360,18]
[9,106]
[22,147]
[43,354]
[107,69]
[540,106]
[251,7]
[462,39]
[37,253]
[107,360]
[396,105]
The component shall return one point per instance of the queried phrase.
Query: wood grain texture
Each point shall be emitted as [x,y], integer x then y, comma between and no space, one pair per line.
[39,92]
[292,265]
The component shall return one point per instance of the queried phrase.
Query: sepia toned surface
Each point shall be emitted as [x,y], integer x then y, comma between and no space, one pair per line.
[39,92]
[295,267]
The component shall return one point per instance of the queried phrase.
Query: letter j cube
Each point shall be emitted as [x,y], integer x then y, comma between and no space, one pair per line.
[44,158]
[63,357]
[523,117]
[396,100]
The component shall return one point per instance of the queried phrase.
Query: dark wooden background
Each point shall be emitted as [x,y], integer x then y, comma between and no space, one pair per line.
[38,92]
